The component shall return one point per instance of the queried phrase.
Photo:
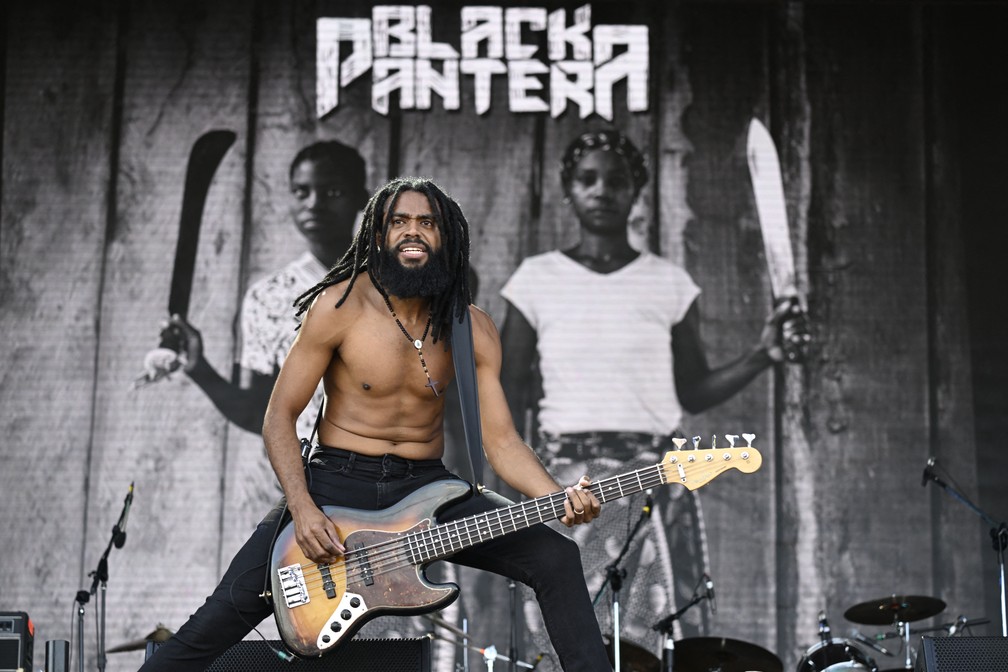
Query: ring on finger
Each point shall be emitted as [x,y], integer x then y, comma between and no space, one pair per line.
[578,512]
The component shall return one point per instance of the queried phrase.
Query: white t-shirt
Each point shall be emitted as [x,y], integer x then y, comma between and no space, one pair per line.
[268,323]
[604,341]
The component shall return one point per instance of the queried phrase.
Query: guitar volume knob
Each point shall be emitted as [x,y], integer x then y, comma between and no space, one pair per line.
[345,615]
[355,602]
[335,626]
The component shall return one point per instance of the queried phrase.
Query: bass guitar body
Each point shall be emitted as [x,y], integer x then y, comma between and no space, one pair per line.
[318,606]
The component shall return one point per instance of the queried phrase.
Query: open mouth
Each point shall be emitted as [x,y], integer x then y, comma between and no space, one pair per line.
[412,250]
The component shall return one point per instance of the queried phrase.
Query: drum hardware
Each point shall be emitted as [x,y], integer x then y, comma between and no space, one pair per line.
[160,634]
[998,532]
[956,627]
[899,611]
[724,655]
[894,609]
[489,653]
[873,642]
[832,654]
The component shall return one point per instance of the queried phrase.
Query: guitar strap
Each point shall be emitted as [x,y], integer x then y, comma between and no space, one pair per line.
[465,377]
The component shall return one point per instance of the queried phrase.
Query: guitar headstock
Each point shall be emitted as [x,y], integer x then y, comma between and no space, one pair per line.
[699,466]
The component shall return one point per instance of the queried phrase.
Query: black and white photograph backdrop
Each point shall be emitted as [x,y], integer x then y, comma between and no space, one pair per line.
[846,158]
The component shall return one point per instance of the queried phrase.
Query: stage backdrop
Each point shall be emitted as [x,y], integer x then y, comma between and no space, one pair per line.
[884,114]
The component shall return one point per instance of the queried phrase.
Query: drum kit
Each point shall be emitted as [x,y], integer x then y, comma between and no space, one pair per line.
[832,654]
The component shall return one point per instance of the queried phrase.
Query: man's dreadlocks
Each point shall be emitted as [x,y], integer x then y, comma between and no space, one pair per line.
[363,254]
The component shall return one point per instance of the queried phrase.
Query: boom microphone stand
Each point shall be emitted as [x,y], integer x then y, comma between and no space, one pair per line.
[100,576]
[615,575]
[665,627]
[998,533]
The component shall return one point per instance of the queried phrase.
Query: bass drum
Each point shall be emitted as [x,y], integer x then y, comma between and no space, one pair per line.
[834,656]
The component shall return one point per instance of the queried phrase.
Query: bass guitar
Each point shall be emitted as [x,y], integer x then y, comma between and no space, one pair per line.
[319,606]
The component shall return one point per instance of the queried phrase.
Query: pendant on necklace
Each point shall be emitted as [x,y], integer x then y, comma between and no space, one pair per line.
[417,343]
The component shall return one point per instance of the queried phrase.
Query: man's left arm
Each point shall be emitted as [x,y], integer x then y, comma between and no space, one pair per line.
[510,457]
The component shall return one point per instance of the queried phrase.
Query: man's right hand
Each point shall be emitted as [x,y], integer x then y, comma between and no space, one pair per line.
[316,535]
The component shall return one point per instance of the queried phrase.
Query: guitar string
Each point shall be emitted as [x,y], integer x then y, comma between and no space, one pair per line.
[403,549]
[400,552]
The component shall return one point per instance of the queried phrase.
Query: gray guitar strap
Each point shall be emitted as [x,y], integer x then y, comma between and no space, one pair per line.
[465,377]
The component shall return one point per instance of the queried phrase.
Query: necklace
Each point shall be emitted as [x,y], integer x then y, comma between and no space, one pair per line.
[416,343]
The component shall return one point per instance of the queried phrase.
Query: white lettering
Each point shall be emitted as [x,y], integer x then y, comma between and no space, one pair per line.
[631,65]
[482,24]
[392,74]
[482,71]
[444,84]
[521,81]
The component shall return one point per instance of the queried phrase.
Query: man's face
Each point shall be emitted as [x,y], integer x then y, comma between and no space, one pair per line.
[412,260]
[324,205]
[602,192]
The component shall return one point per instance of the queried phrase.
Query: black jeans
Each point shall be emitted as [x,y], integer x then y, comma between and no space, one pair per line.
[537,556]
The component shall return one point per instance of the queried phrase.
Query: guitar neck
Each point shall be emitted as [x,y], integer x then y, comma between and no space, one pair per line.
[449,538]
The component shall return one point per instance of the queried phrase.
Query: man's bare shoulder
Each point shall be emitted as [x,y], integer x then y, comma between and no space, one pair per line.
[335,306]
[482,322]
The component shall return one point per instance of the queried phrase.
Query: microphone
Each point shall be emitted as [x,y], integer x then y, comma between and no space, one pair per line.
[856,634]
[824,629]
[119,530]
[959,624]
[710,593]
[648,502]
[928,473]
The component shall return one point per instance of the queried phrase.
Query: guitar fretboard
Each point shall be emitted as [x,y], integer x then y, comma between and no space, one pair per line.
[449,538]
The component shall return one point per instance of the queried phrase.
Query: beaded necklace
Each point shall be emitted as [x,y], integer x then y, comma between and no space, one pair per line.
[416,343]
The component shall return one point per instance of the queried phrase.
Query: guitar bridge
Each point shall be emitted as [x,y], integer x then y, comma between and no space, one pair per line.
[292,583]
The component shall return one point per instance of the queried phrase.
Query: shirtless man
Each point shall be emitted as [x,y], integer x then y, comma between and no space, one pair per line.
[370,331]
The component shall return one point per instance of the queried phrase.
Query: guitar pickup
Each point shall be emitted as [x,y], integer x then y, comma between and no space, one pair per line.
[292,583]
[365,564]
[327,583]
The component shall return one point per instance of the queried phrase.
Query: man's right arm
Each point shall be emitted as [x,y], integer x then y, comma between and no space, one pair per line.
[306,363]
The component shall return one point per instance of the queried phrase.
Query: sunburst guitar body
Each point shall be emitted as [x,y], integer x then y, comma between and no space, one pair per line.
[319,606]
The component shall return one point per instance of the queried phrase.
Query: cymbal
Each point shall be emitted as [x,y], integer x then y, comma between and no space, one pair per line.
[700,654]
[633,658]
[160,634]
[894,609]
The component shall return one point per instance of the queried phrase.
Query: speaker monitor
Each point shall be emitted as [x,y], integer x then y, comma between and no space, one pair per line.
[17,637]
[963,654]
[356,655]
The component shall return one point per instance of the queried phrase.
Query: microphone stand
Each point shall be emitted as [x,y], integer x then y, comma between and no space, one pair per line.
[614,578]
[100,576]
[999,540]
[664,626]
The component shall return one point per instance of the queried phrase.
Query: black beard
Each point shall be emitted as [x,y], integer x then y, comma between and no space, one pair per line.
[428,280]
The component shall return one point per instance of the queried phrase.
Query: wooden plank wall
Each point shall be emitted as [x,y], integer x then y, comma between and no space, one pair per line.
[102,104]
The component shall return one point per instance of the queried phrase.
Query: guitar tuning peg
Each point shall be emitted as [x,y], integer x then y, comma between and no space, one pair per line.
[731,439]
[678,443]
[749,439]
[696,443]
[713,441]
